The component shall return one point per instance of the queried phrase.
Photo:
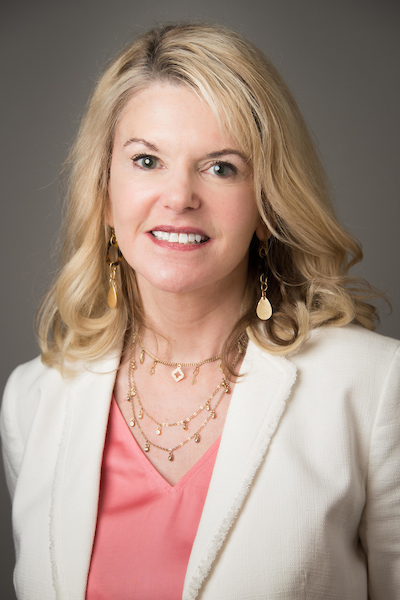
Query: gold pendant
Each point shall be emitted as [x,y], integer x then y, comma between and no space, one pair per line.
[178,374]
[112,297]
[195,373]
[264,309]
[153,368]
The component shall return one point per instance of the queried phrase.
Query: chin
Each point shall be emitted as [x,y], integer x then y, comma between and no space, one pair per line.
[175,287]
[173,282]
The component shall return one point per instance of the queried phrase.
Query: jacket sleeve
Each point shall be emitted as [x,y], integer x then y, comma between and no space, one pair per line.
[380,525]
[11,438]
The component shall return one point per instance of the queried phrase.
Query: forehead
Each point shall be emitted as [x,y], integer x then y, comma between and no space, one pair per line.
[157,97]
[164,110]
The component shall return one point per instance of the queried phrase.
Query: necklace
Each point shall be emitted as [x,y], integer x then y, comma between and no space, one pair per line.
[133,395]
[184,422]
[177,373]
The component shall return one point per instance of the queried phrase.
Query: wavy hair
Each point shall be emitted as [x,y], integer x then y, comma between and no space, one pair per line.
[309,253]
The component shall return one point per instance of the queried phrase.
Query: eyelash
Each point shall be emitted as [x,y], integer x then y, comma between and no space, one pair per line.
[222,163]
[138,157]
[219,163]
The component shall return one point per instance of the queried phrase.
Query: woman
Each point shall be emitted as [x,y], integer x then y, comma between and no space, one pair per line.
[175,439]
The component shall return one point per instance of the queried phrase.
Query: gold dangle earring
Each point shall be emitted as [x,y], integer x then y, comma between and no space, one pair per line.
[113,259]
[264,308]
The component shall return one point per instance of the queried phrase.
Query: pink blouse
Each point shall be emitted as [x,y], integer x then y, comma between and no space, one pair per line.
[145,527]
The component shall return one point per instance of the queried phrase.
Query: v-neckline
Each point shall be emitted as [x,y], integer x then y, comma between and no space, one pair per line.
[148,465]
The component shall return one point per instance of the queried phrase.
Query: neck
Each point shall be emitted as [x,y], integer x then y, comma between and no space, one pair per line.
[188,327]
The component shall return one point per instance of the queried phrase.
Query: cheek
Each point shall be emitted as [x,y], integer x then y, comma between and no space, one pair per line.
[120,204]
[241,214]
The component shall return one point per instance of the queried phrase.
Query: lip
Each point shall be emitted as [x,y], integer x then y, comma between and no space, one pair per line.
[172,229]
[176,246]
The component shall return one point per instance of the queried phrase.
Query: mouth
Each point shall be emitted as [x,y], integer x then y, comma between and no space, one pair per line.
[173,237]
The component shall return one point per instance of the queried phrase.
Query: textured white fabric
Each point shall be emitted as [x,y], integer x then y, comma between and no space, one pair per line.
[304,501]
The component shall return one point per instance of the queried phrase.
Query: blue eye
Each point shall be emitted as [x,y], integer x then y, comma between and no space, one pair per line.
[146,162]
[223,169]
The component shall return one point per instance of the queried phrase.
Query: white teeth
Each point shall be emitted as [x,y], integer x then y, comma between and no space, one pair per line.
[180,238]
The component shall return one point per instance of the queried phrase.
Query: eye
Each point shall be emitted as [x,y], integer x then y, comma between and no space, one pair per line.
[146,161]
[222,169]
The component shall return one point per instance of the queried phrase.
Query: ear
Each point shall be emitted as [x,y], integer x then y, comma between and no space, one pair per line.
[262,231]
[108,215]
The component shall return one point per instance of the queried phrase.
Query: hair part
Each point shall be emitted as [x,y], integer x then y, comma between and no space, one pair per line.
[310,255]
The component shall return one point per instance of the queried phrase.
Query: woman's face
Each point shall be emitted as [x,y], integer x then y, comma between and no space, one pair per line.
[181,194]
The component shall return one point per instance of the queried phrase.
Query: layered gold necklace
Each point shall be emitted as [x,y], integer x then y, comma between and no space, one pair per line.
[177,373]
[209,406]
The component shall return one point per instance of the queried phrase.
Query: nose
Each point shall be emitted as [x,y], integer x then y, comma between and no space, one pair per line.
[180,192]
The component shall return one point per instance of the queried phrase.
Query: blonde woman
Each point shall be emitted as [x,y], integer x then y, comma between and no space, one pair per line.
[211,415]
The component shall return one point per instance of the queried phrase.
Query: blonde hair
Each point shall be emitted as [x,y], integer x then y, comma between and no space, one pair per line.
[310,254]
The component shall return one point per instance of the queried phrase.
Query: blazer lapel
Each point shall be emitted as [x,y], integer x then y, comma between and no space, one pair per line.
[76,483]
[256,407]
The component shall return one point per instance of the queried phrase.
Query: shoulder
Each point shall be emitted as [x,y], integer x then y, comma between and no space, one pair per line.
[29,386]
[356,336]
[338,354]
[22,390]
[20,403]
[348,357]
[350,367]
[25,385]
[349,347]
[31,375]
[34,383]
[36,400]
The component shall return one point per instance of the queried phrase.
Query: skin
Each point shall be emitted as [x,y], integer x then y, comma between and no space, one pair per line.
[174,171]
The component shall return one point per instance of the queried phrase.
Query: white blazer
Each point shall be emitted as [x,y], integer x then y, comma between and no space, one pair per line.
[304,500]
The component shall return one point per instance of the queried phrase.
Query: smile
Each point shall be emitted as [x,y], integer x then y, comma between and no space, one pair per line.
[180,238]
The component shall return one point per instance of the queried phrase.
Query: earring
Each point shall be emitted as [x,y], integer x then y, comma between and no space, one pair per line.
[264,308]
[113,259]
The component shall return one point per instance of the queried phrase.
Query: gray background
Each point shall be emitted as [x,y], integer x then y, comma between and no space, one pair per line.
[340,58]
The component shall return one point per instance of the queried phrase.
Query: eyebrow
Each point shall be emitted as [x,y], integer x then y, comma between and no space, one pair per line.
[225,151]
[141,141]
[216,154]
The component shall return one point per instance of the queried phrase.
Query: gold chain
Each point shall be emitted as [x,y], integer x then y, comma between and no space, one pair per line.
[177,373]
[184,422]
[133,394]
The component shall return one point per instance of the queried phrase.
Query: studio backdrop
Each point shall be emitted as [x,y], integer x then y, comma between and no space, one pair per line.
[340,58]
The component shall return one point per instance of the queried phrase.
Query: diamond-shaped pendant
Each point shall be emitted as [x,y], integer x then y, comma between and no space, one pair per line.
[178,374]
